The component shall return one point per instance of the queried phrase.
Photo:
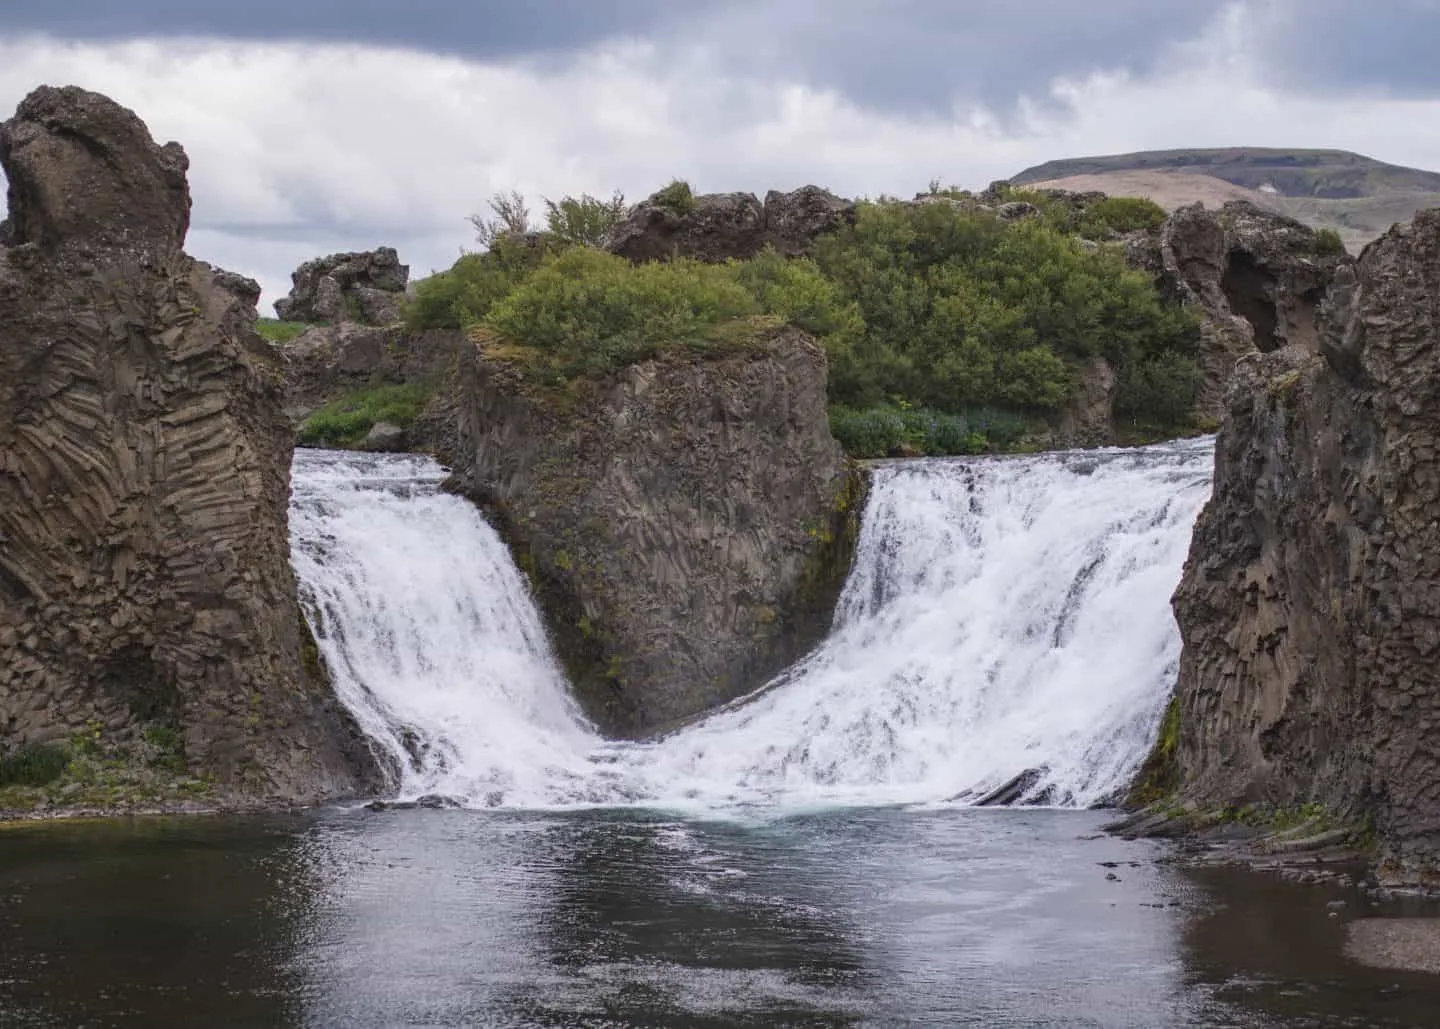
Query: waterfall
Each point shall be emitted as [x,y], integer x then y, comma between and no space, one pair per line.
[1006,617]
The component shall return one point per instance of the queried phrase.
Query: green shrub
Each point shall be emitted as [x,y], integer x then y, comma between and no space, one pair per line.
[34,764]
[463,296]
[677,197]
[1159,389]
[583,220]
[891,431]
[277,331]
[1329,242]
[961,310]
[346,421]
[589,311]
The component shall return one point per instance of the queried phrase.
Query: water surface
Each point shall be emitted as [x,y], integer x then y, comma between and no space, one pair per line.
[639,918]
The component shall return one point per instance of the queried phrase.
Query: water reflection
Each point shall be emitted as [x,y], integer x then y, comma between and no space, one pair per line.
[456,918]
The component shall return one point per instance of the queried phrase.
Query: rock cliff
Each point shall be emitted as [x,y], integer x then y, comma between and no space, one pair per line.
[1310,604]
[1256,277]
[364,287]
[721,226]
[145,585]
[687,522]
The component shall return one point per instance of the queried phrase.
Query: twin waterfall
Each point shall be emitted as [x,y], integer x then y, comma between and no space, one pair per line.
[1004,616]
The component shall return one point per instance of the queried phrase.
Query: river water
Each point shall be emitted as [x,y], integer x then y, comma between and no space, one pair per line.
[808,856]
[867,917]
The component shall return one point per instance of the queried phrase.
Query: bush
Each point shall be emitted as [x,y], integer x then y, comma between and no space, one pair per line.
[1329,242]
[463,296]
[961,310]
[34,764]
[277,331]
[588,311]
[677,197]
[1159,389]
[583,220]
[891,432]
[346,421]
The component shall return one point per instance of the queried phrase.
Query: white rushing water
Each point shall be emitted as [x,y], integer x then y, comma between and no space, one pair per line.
[1003,615]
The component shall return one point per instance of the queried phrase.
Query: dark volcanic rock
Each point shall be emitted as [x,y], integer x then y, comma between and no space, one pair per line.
[365,287]
[687,522]
[1257,278]
[1310,604]
[722,226]
[144,476]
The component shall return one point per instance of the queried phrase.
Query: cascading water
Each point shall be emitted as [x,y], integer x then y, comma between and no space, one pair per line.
[1004,616]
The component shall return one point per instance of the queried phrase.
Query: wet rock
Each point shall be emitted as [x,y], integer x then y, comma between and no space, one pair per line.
[385,438]
[365,287]
[687,522]
[144,475]
[1014,791]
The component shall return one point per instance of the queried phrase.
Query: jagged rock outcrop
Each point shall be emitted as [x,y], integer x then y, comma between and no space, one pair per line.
[1310,604]
[365,287]
[1256,277]
[329,361]
[721,226]
[145,581]
[687,522]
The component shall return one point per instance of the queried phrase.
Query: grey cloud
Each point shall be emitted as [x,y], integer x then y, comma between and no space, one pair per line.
[1341,46]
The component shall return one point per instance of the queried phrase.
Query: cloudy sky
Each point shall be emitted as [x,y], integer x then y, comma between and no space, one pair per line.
[321,125]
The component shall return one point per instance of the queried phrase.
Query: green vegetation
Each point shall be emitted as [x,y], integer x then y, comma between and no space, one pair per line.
[676,197]
[894,432]
[34,764]
[948,329]
[277,331]
[1160,774]
[586,311]
[1328,241]
[344,422]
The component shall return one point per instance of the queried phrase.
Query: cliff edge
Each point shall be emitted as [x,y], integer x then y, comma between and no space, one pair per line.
[148,611]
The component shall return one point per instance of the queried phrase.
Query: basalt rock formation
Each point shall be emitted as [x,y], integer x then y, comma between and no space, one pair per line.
[721,226]
[687,522]
[1310,604]
[145,584]
[364,287]
[1256,277]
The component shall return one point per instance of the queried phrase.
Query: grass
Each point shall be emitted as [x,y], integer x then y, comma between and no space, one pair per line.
[344,422]
[35,764]
[277,331]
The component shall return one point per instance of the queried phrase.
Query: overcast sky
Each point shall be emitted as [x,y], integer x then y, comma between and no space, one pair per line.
[321,125]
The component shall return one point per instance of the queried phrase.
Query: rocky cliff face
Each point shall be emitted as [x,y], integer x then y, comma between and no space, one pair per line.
[1310,605]
[365,287]
[1257,277]
[687,522]
[145,584]
[722,226]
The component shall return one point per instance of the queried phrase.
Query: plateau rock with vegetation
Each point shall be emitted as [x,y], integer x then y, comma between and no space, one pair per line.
[151,645]
[657,455]
[1310,604]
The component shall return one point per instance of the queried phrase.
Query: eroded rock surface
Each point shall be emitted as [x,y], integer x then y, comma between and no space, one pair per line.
[722,226]
[1257,277]
[365,287]
[145,581]
[1310,604]
[687,522]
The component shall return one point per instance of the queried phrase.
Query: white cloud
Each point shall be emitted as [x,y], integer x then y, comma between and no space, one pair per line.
[298,150]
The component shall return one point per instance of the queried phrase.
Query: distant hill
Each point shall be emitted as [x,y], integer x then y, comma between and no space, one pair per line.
[1356,195]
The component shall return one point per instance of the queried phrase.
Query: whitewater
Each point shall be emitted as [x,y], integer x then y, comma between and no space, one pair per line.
[1005,616]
